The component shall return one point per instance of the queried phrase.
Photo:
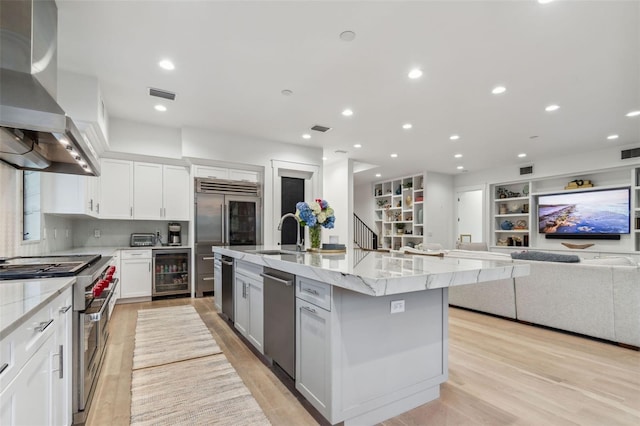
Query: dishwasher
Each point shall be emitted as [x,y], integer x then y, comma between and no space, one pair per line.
[280,319]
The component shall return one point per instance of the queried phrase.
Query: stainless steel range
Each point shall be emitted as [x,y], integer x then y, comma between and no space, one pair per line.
[91,295]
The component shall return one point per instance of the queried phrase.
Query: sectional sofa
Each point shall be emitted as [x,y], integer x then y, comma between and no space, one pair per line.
[594,297]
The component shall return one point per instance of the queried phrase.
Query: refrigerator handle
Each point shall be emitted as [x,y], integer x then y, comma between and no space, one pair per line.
[224,231]
[227,229]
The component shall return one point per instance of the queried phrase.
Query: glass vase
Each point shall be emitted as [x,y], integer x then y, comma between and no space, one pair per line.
[315,235]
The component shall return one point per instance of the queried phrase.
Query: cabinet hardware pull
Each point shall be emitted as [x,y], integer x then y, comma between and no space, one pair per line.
[207,258]
[313,311]
[98,208]
[91,204]
[65,309]
[131,211]
[312,291]
[4,367]
[226,262]
[61,350]
[43,325]
[207,279]
[288,283]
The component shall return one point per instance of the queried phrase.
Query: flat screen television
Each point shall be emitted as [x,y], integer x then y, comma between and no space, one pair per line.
[605,212]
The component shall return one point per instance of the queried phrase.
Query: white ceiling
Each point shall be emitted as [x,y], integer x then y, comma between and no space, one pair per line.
[234,58]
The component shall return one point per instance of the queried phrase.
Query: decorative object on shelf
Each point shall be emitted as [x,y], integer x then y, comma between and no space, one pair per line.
[501,242]
[383,204]
[465,238]
[419,198]
[399,204]
[409,201]
[525,190]
[506,225]
[637,222]
[419,215]
[579,183]
[502,192]
[378,192]
[408,185]
[503,209]
[576,246]
[399,189]
[515,208]
[316,215]
[521,224]
[525,208]
[400,228]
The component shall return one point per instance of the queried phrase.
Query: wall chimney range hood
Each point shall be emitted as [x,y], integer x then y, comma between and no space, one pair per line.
[35,132]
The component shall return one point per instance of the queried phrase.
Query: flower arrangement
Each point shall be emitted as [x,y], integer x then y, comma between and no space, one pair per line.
[316,215]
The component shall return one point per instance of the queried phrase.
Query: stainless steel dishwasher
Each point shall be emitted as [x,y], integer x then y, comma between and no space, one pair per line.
[280,319]
[227,287]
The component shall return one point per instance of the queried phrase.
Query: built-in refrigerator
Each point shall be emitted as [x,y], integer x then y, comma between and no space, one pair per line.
[171,271]
[226,213]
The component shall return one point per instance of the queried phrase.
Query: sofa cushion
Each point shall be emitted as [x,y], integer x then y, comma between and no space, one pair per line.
[613,260]
[545,257]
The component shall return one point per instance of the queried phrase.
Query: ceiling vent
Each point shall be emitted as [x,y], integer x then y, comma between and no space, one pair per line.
[630,153]
[164,94]
[528,170]
[319,128]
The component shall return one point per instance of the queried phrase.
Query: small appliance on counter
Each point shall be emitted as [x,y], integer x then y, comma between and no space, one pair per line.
[142,240]
[174,234]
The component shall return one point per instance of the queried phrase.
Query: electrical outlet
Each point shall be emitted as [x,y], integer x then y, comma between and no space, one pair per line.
[96,233]
[397,306]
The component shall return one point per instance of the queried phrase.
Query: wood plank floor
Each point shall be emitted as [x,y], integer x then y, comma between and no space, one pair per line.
[500,373]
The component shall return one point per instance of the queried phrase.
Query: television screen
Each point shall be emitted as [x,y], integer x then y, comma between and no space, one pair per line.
[582,213]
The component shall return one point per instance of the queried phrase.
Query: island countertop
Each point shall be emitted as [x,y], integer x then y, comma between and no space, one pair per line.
[20,299]
[378,273]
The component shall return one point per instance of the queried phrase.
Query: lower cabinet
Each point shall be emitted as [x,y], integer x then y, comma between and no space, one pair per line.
[248,303]
[135,273]
[36,389]
[217,282]
[313,355]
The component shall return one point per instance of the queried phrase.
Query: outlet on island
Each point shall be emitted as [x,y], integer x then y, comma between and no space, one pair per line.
[96,233]
[397,306]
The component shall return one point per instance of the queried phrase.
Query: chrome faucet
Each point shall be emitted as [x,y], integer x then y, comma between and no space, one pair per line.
[298,240]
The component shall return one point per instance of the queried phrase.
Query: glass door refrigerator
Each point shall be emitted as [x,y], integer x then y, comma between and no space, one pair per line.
[171,275]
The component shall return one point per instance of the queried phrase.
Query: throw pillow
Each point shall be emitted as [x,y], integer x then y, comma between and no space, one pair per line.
[545,257]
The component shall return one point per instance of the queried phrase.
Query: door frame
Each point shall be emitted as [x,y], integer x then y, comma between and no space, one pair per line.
[462,189]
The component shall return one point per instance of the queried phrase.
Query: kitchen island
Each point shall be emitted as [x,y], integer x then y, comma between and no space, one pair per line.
[371,328]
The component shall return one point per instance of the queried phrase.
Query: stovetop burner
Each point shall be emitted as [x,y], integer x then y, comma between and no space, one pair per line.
[44,266]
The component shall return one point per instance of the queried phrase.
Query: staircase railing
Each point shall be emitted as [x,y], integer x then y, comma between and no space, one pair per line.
[364,236]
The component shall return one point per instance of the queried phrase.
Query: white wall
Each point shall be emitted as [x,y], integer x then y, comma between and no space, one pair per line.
[131,137]
[439,209]
[363,203]
[338,191]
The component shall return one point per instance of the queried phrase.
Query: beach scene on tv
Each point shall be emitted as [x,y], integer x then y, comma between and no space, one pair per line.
[593,212]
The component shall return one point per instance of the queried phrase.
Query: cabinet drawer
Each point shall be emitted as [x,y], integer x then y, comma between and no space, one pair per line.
[135,254]
[250,270]
[313,291]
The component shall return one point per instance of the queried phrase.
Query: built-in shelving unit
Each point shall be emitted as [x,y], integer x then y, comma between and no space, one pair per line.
[399,211]
[514,209]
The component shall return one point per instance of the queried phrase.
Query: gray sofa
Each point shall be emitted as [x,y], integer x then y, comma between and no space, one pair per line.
[595,297]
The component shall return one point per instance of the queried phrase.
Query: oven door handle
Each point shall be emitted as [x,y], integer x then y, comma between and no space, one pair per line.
[97,316]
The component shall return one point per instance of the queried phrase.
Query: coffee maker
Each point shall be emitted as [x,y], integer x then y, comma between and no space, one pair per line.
[174,234]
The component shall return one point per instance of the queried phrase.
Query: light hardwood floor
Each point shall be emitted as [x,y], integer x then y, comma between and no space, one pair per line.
[500,373]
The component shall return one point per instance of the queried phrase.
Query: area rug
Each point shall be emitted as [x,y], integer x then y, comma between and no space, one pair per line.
[165,335]
[183,380]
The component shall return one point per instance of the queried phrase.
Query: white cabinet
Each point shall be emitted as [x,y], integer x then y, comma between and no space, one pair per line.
[213,172]
[147,191]
[135,274]
[35,384]
[116,189]
[175,192]
[217,282]
[248,303]
[70,194]
[313,354]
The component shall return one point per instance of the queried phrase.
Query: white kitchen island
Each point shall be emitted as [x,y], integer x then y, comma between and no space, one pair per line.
[356,362]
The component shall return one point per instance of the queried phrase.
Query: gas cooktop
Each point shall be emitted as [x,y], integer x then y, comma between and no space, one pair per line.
[28,267]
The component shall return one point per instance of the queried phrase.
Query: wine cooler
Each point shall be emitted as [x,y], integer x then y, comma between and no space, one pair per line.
[171,274]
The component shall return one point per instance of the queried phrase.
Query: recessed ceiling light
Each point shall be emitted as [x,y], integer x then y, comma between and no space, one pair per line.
[544,1]
[347,36]
[460,167]
[454,137]
[522,155]
[347,112]
[407,126]
[498,90]
[415,73]
[458,156]
[633,113]
[306,136]
[552,108]
[161,108]
[167,65]
[357,145]
[287,92]
[378,175]
[324,158]
[394,155]
[611,137]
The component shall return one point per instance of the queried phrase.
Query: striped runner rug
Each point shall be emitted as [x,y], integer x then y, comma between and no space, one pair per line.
[181,377]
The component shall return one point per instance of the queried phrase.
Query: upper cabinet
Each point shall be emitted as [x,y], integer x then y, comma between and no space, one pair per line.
[80,97]
[116,189]
[168,200]
[70,194]
[213,172]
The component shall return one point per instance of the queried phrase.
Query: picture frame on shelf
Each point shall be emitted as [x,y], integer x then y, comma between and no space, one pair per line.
[465,238]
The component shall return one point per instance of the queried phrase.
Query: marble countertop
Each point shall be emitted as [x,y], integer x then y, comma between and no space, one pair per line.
[379,273]
[108,251]
[20,299]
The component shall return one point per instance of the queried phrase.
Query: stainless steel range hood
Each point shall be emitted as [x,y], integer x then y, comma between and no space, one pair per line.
[35,133]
